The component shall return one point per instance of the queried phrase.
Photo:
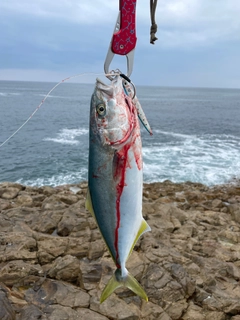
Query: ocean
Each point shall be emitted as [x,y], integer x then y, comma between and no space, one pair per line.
[196,133]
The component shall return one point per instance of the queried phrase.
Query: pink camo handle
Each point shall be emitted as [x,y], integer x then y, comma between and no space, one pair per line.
[124,40]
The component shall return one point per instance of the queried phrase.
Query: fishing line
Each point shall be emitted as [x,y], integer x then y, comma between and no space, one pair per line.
[47,95]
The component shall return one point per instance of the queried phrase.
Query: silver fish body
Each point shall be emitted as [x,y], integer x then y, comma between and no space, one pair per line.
[115,177]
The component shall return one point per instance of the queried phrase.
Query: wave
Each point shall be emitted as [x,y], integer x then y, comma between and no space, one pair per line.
[68,136]
[219,137]
[57,180]
[173,134]
[51,96]
[6,94]
[208,159]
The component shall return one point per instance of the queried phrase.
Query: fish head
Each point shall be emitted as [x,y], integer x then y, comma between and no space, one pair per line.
[112,113]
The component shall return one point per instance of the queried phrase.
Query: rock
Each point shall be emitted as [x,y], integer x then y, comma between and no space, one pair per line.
[182,276]
[6,309]
[233,309]
[53,203]
[17,246]
[86,314]
[50,247]
[67,295]
[68,198]
[216,203]
[32,312]
[215,315]
[91,274]
[176,310]
[6,224]
[48,191]
[66,268]
[12,272]
[96,249]
[114,308]
[12,185]
[167,284]
[151,311]
[79,247]
[164,316]
[60,312]
[44,221]
[54,263]
[21,213]
[236,214]
[10,190]
[4,204]
[24,200]
[194,312]
[9,193]
[57,293]
[71,223]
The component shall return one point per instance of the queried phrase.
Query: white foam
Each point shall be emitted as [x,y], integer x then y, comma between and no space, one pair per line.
[56,180]
[209,159]
[52,96]
[6,94]
[68,136]
[173,134]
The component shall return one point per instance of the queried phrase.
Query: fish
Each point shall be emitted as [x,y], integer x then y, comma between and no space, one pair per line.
[115,176]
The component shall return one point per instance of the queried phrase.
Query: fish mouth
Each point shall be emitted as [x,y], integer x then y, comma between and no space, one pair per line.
[107,89]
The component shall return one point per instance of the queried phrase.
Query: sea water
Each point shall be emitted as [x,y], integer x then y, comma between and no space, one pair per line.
[196,133]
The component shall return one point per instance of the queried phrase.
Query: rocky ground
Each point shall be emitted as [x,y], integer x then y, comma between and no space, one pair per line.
[54,264]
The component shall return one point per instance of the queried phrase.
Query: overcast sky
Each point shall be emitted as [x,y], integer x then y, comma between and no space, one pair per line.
[199,41]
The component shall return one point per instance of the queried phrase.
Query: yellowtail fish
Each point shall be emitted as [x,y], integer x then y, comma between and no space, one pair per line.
[115,177]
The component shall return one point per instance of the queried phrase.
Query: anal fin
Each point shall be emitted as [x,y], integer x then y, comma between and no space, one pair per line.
[144,227]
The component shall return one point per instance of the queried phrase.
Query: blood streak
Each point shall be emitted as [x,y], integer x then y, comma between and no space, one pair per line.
[122,163]
[121,166]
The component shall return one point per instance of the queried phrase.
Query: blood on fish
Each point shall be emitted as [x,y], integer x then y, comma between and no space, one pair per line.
[122,163]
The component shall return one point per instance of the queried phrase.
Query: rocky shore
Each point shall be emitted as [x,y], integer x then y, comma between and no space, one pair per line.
[54,263]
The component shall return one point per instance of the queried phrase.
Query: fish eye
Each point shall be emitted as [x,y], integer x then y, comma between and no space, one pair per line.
[101,109]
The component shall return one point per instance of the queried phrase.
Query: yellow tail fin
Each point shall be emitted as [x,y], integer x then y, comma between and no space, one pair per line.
[118,281]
